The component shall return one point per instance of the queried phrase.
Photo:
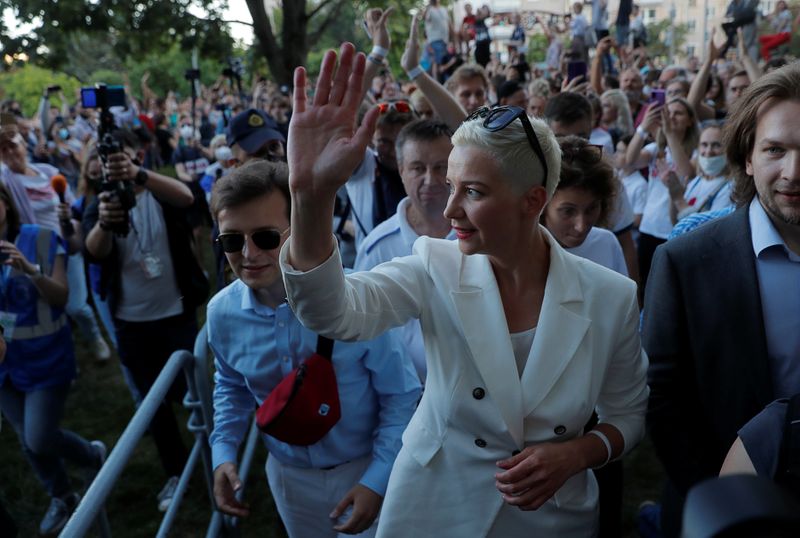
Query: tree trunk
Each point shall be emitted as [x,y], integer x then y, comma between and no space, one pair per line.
[292,51]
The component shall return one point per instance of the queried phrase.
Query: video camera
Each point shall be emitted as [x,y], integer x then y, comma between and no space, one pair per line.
[235,68]
[104,97]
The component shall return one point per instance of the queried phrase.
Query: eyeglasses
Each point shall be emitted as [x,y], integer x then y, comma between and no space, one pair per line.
[398,106]
[263,239]
[498,118]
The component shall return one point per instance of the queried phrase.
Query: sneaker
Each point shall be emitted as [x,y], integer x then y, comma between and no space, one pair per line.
[101,350]
[166,494]
[100,458]
[58,513]
[648,520]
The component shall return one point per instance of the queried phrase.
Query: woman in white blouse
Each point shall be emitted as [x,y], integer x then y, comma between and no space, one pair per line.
[523,341]
[676,133]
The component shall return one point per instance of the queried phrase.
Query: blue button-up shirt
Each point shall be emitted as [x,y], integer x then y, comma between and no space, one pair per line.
[778,271]
[255,347]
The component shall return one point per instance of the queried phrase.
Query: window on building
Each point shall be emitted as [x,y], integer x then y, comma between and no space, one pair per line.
[690,25]
[651,13]
[690,50]
[692,3]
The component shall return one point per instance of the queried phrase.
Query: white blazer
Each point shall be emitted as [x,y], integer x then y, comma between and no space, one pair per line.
[476,410]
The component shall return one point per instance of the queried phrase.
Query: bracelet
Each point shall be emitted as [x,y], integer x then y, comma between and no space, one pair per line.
[380,52]
[414,73]
[377,60]
[600,435]
[641,132]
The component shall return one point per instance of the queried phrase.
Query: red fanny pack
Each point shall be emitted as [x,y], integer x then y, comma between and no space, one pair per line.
[304,406]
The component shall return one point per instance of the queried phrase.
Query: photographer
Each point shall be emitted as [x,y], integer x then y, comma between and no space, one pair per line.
[150,276]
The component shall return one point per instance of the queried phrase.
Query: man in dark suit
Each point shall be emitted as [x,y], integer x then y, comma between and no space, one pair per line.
[722,313]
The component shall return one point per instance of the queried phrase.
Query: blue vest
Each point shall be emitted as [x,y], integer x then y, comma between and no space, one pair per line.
[40,352]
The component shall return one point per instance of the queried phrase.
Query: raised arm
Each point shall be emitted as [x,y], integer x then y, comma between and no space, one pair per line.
[753,71]
[700,82]
[442,101]
[375,20]
[596,73]
[324,148]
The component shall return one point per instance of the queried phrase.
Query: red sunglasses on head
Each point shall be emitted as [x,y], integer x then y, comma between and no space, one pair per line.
[400,106]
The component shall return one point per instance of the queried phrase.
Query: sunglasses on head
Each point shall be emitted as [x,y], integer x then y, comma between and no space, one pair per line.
[498,118]
[398,106]
[263,239]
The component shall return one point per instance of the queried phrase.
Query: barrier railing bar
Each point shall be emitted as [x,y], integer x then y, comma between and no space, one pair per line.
[180,490]
[101,487]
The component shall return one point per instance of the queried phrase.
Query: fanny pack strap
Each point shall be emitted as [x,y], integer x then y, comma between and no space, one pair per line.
[325,347]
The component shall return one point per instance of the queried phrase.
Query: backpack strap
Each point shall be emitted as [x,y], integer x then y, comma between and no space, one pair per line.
[325,347]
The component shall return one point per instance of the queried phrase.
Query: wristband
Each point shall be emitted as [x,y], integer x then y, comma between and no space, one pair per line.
[377,60]
[380,52]
[600,435]
[641,132]
[414,73]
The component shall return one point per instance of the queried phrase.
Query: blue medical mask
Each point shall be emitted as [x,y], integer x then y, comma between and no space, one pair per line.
[712,166]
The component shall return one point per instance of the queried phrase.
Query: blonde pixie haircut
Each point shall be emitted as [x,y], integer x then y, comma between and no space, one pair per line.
[513,152]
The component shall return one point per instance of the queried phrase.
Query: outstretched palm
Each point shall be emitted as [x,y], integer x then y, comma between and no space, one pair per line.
[324,146]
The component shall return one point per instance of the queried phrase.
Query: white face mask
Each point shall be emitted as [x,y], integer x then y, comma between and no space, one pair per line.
[223,153]
[712,166]
[187,132]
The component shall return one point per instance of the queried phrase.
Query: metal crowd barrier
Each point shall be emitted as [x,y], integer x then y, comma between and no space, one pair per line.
[91,509]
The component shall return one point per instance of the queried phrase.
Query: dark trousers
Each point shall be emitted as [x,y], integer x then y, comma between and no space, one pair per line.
[647,247]
[144,347]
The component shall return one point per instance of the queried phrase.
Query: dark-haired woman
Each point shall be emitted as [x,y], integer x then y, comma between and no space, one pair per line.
[581,202]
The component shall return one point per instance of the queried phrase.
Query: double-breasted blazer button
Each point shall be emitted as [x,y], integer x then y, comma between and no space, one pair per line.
[478,393]
[560,430]
[480,443]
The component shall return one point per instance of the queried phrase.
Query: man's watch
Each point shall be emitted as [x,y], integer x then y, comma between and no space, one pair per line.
[141,177]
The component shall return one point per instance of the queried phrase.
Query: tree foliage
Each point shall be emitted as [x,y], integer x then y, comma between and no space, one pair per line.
[130,27]
[27,84]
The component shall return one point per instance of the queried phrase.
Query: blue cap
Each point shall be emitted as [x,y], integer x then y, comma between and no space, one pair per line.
[252,129]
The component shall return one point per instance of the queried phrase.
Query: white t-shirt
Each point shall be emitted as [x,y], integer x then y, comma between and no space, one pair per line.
[41,196]
[144,298]
[602,247]
[601,137]
[636,189]
[437,24]
[655,217]
[708,194]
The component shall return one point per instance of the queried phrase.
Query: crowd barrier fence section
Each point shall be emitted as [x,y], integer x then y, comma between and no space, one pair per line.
[91,510]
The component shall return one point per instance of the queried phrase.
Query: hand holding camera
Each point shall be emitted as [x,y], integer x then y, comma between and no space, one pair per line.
[120,167]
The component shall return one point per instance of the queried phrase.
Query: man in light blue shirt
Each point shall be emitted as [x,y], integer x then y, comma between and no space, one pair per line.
[422,149]
[335,486]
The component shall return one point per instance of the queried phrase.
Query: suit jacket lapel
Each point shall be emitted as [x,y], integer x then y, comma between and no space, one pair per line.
[752,357]
[483,320]
[558,333]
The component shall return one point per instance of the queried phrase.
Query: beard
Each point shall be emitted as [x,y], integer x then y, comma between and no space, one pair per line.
[787,215]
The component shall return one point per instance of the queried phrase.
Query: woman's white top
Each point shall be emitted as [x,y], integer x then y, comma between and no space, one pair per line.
[602,247]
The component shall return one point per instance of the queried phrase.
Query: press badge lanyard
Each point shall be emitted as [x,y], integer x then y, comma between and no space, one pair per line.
[150,263]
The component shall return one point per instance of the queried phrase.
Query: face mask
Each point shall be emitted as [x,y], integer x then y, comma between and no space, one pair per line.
[63,133]
[187,132]
[712,166]
[223,153]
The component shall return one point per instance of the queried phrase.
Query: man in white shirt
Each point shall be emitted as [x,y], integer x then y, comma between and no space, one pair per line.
[422,149]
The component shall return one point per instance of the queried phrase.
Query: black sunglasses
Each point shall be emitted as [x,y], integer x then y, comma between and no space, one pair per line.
[498,118]
[263,239]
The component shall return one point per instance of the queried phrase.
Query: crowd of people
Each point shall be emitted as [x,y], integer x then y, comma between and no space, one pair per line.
[521,266]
